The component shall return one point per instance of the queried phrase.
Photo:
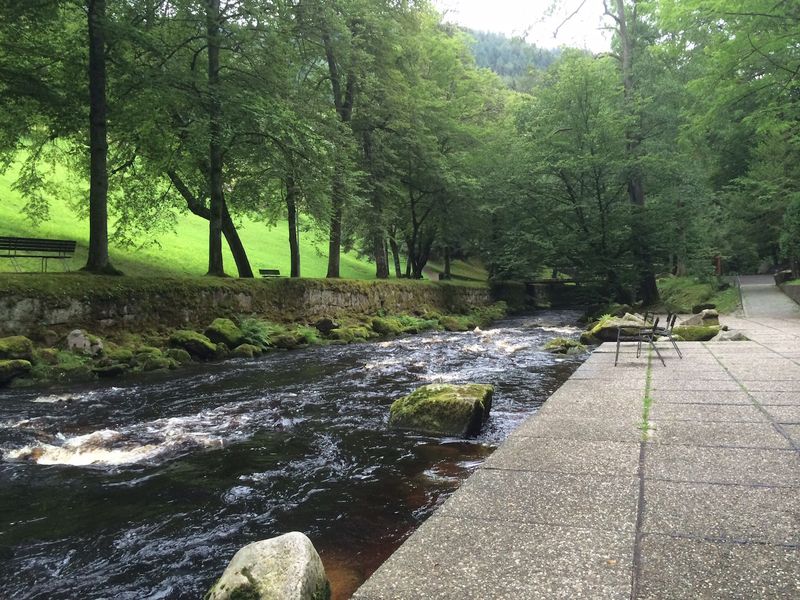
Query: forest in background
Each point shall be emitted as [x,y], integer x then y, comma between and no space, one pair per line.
[382,129]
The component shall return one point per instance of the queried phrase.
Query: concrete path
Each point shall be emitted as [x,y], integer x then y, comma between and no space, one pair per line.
[762,298]
[634,482]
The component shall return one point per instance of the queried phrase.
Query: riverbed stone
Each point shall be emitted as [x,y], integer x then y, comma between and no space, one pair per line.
[196,344]
[16,347]
[326,325]
[179,355]
[224,331]
[443,409]
[11,369]
[561,345]
[282,568]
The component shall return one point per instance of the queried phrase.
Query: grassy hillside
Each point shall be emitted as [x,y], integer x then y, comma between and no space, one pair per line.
[182,252]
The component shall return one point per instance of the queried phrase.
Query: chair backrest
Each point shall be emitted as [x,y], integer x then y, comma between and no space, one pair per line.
[671,322]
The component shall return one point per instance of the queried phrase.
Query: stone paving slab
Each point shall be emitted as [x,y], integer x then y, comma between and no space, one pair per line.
[682,569]
[547,498]
[700,396]
[696,385]
[706,412]
[785,414]
[776,398]
[566,456]
[772,386]
[458,559]
[745,466]
[728,512]
[586,429]
[732,435]
[794,433]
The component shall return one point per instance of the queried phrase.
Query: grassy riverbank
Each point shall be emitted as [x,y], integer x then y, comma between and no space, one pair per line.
[680,294]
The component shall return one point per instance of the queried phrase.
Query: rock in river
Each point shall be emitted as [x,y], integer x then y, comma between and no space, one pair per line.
[282,568]
[443,409]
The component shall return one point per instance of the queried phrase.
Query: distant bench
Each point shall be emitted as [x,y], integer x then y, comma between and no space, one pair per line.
[269,272]
[19,247]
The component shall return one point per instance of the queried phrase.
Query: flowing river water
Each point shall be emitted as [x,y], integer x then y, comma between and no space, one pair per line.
[145,490]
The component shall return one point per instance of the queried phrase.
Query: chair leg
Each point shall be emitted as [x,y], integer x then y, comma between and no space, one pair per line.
[616,356]
[675,345]
[654,347]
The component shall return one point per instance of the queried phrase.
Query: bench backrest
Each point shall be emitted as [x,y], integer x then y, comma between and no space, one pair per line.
[18,244]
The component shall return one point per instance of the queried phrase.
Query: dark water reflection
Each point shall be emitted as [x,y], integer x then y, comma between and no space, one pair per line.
[147,489]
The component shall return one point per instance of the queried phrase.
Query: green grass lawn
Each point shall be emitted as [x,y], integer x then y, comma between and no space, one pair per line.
[183,252]
[680,294]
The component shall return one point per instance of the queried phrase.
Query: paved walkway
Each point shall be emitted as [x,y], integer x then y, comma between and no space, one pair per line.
[762,298]
[580,502]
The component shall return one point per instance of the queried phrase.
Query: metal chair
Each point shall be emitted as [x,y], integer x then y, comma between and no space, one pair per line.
[643,334]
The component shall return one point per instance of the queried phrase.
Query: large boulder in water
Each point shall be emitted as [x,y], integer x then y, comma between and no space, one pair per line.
[605,330]
[282,568]
[196,344]
[9,369]
[443,409]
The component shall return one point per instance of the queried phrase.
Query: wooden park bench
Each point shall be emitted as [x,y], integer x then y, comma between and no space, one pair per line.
[269,272]
[16,248]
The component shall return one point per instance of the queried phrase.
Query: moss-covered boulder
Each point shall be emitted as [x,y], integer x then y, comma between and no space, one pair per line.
[110,371]
[48,356]
[605,330]
[246,351]
[286,568]
[460,323]
[696,333]
[561,345]
[119,355]
[387,326]
[225,331]
[158,363]
[179,355]
[707,318]
[11,369]
[443,409]
[350,334]
[196,344]
[16,347]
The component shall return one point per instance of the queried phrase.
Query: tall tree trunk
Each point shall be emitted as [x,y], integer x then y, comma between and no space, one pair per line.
[98,260]
[217,204]
[447,274]
[381,259]
[335,232]
[398,269]
[197,207]
[291,210]
[235,244]
[640,242]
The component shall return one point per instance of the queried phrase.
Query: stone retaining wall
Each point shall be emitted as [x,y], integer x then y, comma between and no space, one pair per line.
[793,291]
[30,302]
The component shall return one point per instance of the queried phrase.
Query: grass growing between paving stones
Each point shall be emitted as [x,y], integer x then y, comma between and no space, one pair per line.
[648,399]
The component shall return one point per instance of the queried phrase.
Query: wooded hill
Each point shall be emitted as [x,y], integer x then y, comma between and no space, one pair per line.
[374,121]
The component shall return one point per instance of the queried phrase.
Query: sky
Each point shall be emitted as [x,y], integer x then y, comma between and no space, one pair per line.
[536,20]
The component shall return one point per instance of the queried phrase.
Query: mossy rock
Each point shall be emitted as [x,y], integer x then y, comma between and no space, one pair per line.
[158,363]
[561,345]
[605,330]
[350,334]
[148,351]
[226,332]
[222,351]
[120,355]
[179,355]
[48,356]
[196,344]
[451,323]
[246,351]
[697,333]
[387,326]
[16,347]
[443,409]
[111,371]
[288,340]
[13,368]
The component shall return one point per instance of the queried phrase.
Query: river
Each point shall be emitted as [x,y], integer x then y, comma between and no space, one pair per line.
[146,488]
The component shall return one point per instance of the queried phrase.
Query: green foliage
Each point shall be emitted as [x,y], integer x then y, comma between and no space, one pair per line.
[680,294]
[256,332]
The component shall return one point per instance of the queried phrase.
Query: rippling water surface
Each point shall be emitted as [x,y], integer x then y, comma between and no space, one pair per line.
[146,489]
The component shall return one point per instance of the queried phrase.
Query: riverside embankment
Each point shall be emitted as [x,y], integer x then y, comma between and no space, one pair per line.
[30,303]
